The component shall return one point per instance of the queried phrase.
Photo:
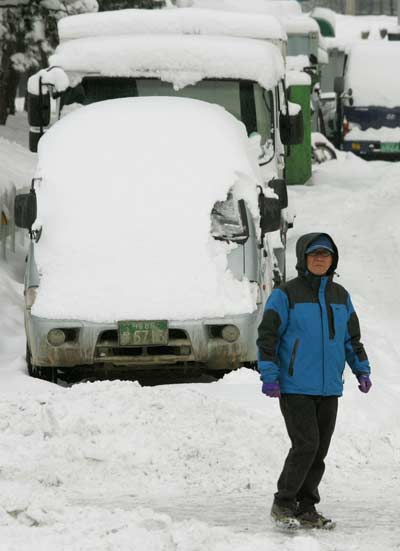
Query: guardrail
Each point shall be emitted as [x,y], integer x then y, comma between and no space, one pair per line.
[8,230]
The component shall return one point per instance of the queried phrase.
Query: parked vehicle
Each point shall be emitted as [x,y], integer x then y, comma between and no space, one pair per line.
[243,75]
[232,59]
[368,101]
[150,240]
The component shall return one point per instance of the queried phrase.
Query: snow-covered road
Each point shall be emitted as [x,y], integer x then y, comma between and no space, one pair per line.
[114,466]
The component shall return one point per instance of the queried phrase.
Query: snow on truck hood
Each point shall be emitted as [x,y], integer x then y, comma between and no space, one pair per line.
[125,200]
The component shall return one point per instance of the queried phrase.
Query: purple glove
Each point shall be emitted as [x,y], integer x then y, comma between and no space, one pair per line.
[273,390]
[365,383]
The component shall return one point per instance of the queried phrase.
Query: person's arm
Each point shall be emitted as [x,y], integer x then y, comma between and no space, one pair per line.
[356,356]
[274,322]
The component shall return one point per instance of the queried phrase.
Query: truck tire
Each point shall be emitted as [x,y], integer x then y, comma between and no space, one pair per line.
[46,373]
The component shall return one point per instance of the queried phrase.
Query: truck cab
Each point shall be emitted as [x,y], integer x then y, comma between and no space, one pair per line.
[369,104]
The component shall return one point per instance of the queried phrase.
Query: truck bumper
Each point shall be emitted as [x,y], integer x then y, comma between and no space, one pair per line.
[191,343]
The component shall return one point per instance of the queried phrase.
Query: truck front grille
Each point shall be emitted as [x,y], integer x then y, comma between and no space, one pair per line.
[107,348]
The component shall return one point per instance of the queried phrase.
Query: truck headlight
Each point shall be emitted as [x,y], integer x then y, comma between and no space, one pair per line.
[230,333]
[56,337]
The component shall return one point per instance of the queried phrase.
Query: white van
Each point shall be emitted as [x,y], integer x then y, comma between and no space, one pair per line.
[150,242]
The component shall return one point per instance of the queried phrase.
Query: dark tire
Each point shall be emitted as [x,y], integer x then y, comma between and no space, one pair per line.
[322,152]
[32,370]
[45,373]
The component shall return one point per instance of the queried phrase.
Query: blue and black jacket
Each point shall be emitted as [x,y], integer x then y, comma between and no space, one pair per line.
[308,332]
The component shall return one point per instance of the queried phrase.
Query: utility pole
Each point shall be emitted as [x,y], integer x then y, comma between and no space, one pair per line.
[351,7]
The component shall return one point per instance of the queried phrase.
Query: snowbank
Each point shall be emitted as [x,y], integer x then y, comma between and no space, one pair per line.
[183,21]
[380,84]
[182,60]
[128,188]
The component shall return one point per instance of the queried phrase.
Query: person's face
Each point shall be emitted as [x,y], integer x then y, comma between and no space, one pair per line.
[319,262]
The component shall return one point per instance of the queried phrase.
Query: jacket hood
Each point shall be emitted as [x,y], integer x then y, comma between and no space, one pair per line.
[301,246]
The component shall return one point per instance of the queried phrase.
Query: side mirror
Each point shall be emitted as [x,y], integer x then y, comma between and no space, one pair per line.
[39,109]
[280,188]
[270,213]
[291,128]
[338,85]
[25,210]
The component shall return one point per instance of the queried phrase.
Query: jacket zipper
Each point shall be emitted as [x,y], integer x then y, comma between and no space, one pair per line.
[293,357]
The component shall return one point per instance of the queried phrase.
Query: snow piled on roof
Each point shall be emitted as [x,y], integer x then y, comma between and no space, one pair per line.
[325,13]
[273,7]
[125,202]
[288,13]
[173,21]
[349,28]
[179,59]
[380,84]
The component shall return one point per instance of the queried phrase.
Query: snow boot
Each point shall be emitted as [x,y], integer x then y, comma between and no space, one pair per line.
[284,517]
[313,519]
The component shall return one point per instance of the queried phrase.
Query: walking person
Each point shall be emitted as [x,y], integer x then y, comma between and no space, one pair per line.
[308,332]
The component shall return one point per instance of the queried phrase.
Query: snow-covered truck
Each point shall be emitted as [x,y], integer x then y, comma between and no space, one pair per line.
[369,100]
[233,59]
[244,76]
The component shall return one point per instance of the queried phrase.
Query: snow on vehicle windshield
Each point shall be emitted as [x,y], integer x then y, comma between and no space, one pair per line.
[183,21]
[182,59]
[127,189]
[380,84]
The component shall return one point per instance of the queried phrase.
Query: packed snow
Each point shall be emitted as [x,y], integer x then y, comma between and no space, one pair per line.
[136,210]
[350,29]
[380,84]
[273,7]
[53,76]
[382,134]
[179,59]
[113,466]
[325,14]
[288,13]
[183,21]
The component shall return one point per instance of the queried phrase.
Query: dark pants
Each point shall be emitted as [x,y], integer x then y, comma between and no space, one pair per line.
[310,422]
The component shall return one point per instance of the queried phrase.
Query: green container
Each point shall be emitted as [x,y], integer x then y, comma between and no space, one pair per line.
[298,157]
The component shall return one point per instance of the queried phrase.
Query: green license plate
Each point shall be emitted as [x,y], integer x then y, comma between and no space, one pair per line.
[141,333]
[391,147]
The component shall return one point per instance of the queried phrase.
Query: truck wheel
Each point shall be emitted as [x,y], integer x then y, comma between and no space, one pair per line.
[45,373]
[32,370]
[48,374]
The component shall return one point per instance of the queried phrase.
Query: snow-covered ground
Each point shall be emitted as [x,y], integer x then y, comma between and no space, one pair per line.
[192,467]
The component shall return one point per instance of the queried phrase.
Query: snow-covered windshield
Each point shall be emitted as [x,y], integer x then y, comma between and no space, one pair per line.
[127,188]
[244,99]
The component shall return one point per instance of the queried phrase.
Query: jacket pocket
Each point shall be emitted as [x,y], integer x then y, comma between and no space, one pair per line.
[293,357]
